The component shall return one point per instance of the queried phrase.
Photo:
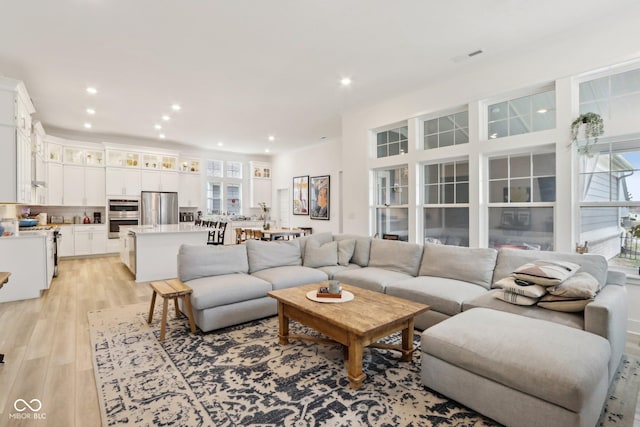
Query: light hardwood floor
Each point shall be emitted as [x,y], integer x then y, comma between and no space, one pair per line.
[46,342]
[47,347]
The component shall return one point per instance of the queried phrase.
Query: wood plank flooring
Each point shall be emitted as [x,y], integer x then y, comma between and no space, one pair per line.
[47,347]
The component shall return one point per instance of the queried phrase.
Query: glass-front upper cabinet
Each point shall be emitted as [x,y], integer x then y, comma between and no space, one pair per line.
[123,159]
[73,156]
[151,161]
[94,158]
[169,163]
[54,152]
[190,165]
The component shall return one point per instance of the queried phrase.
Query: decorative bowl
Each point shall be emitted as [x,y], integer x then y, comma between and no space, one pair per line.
[28,222]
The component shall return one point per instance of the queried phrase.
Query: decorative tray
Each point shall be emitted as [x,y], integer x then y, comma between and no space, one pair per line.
[346,296]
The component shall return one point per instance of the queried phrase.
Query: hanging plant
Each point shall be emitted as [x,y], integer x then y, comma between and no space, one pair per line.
[593,128]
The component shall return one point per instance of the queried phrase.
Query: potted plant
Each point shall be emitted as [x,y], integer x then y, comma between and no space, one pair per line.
[593,128]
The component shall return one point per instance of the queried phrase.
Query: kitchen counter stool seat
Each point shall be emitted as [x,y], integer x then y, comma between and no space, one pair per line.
[171,289]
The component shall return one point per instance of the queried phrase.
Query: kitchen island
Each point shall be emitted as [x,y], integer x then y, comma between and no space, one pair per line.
[26,257]
[151,252]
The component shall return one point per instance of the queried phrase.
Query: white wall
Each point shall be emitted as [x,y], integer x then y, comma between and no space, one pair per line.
[321,159]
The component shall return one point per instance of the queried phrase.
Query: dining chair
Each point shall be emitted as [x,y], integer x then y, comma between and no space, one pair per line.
[240,235]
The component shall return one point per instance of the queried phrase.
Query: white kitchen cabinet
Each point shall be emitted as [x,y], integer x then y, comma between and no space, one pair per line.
[25,257]
[159,181]
[123,182]
[66,241]
[55,184]
[90,239]
[83,186]
[38,166]
[259,184]
[190,191]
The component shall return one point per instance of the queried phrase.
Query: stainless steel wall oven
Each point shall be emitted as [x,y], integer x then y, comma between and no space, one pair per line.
[122,212]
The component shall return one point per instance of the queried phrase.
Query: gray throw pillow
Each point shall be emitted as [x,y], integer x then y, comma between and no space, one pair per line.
[362,249]
[317,255]
[345,251]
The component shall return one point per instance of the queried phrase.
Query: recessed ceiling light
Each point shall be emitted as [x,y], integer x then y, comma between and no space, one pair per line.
[158,127]
[345,81]
[166,118]
[272,138]
[220,144]
[91,111]
[87,125]
[541,111]
[266,150]
[176,107]
[92,90]
[161,136]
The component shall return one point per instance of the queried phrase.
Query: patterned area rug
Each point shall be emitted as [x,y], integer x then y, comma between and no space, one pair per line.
[241,376]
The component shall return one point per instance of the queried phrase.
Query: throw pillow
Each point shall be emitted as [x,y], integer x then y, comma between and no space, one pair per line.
[582,285]
[516,299]
[567,305]
[345,251]
[531,291]
[317,255]
[546,272]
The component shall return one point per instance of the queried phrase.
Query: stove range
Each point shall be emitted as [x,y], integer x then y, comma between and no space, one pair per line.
[39,228]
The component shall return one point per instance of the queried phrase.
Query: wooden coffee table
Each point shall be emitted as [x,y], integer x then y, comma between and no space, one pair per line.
[355,324]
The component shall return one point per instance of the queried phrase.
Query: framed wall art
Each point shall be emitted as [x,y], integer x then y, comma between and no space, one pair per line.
[301,195]
[319,188]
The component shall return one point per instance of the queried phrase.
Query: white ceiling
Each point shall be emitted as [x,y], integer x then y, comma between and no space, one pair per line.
[245,69]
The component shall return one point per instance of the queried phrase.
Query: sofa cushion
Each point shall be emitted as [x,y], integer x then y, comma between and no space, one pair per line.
[489,300]
[214,291]
[372,278]
[277,253]
[196,261]
[362,249]
[510,259]
[289,276]
[440,294]
[453,262]
[317,255]
[345,251]
[546,272]
[582,285]
[331,270]
[395,255]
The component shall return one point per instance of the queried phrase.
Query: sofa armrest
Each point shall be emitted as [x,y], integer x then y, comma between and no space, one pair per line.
[607,316]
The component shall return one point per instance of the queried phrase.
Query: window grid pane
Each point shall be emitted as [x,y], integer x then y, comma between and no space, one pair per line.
[446,183]
[392,142]
[522,115]
[528,178]
[452,129]
[392,186]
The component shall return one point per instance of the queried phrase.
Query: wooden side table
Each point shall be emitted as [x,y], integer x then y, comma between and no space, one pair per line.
[171,289]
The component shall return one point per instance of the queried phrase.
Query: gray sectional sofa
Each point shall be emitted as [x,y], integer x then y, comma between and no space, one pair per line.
[230,283]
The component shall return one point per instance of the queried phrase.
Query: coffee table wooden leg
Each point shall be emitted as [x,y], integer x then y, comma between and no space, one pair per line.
[163,327]
[283,323]
[407,342]
[153,304]
[189,310]
[354,364]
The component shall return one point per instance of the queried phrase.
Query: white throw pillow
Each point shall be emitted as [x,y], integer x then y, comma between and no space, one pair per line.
[532,291]
[567,305]
[516,299]
[546,272]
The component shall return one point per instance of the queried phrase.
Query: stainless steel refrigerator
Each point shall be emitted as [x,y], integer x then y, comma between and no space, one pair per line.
[159,207]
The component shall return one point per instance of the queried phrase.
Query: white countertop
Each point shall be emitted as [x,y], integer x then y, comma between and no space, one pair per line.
[167,228]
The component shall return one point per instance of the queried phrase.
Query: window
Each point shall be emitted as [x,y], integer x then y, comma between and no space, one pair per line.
[609,188]
[615,96]
[392,200]
[446,130]
[214,198]
[522,115]
[446,198]
[233,169]
[392,142]
[214,168]
[224,192]
[522,189]
[233,199]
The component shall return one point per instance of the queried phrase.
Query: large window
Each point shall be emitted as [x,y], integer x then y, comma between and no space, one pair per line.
[452,129]
[446,203]
[392,201]
[609,187]
[224,190]
[522,189]
[522,115]
[392,142]
[613,97]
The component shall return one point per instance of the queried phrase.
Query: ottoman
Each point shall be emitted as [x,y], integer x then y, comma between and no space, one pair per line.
[518,370]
